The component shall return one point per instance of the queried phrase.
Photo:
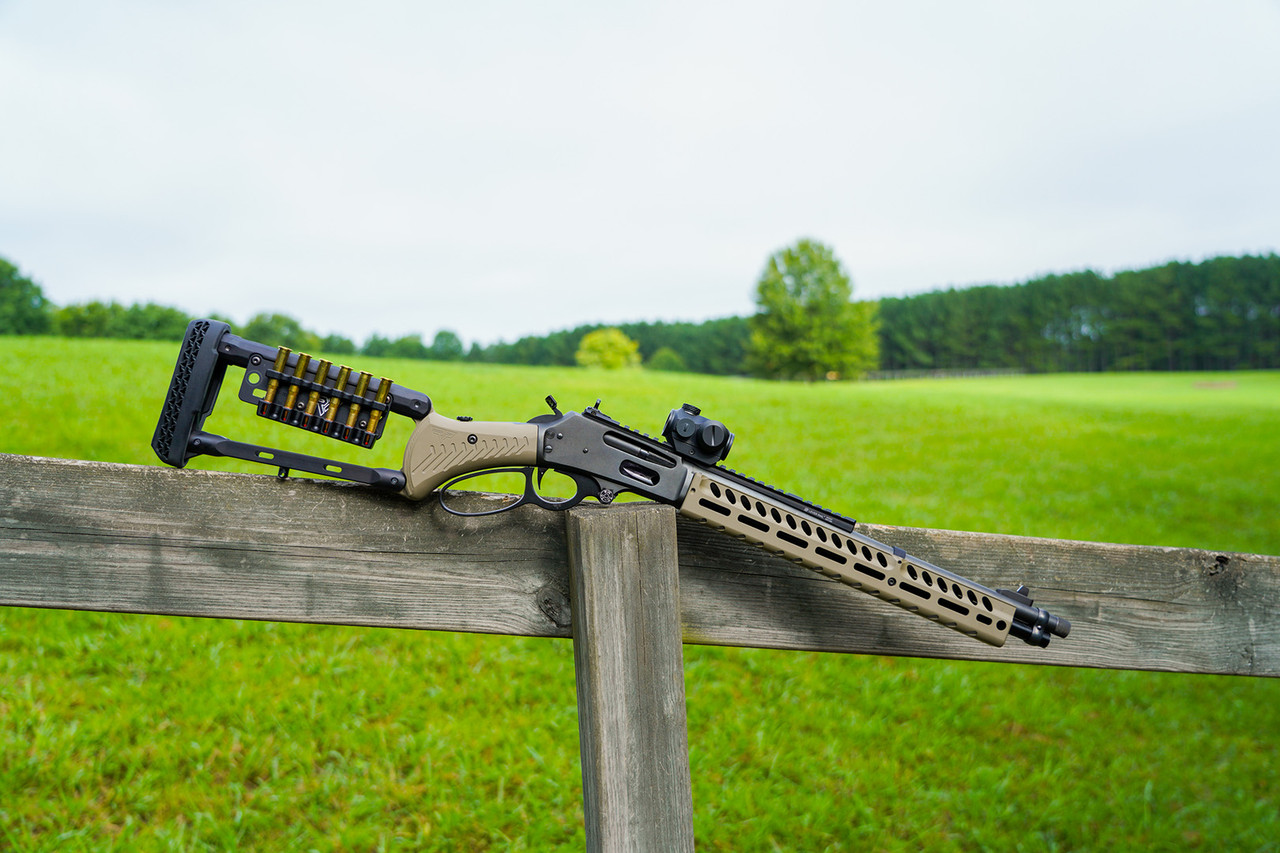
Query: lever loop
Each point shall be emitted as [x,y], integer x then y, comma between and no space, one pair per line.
[586,487]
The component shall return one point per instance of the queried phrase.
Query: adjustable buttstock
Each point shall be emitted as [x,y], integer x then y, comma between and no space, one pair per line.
[283,386]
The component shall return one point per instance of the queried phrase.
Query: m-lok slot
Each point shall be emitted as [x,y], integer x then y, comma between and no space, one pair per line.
[715,507]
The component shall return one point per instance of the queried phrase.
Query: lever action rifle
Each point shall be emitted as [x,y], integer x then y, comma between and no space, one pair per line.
[599,457]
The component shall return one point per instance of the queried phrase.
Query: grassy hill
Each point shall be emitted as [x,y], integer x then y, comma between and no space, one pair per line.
[165,733]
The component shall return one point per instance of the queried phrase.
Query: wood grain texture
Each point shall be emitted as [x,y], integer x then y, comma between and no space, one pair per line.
[136,539]
[139,539]
[628,660]
[1130,606]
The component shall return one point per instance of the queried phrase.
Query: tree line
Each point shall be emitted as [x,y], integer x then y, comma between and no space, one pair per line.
[1219,314]
[714,346]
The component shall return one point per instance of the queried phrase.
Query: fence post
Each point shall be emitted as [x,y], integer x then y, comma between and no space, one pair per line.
[630,674]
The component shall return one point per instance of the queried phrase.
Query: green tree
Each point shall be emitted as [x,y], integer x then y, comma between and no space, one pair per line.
[408,346]
[376,346]
[608,348]
[666,359]
[806,326]
[280,330]
[147,321]
[83,320]
[446,346]
[23,308]
[336,344]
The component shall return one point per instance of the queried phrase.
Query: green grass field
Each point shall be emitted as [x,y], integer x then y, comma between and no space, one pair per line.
[123,732]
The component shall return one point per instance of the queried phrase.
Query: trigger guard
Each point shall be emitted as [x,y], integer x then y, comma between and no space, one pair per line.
[587,487]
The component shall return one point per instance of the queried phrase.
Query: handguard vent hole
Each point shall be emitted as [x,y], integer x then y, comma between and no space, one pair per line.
[714,507]
[915,590]
[793,540]
[986,603]
[830,555]
[870,572]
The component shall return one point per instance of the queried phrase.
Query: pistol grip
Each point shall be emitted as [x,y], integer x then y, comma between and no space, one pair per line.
[442,448]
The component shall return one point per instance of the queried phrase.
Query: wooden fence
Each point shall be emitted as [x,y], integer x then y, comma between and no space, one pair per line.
[628,583]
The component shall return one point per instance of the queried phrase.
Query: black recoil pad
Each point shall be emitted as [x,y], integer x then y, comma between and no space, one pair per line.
[193,389]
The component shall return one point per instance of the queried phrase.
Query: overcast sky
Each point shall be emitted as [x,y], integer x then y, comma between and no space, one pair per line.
[501,169]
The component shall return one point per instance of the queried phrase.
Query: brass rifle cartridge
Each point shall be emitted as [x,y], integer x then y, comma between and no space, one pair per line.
[362,385]
[298,372]
[274,385]
[384,391]
[344,373]
[322,374]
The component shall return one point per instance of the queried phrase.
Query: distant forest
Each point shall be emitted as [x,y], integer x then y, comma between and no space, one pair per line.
[1219,314]
[714,346]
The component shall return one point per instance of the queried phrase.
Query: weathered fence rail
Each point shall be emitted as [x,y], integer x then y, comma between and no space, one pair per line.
[627,582]
[93,536]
